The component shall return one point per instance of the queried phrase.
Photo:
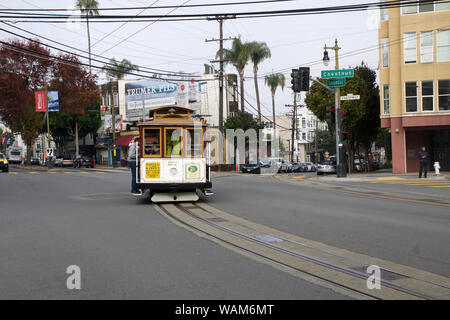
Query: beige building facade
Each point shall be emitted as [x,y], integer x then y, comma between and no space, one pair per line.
[414,53]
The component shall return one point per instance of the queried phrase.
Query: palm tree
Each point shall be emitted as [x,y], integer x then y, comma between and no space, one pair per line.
[274,81]
[88,7]
[118,70]
[238,56]
[258,53]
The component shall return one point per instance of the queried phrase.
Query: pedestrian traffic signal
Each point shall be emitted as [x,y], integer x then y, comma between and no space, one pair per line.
[304,78]
[295,75]
[344,136]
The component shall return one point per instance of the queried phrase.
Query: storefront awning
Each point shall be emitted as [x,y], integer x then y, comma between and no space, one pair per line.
[124,141]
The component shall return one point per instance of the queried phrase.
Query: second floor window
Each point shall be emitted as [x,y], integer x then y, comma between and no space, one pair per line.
[386,100]
[427,96]
[411,96]
[444,95]
[410,47]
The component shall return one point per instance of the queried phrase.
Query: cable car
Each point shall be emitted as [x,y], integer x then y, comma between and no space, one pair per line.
[173,159]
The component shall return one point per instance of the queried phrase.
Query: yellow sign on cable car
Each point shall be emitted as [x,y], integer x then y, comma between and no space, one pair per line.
[152,170]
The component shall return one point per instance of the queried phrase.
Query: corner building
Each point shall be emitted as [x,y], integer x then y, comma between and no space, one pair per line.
[414,53]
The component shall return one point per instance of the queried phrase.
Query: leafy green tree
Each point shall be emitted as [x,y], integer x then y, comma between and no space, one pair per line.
[326,141]
[274,81]
[238,56]
[90,8]
[362,118]
[259,51]
[63,125]
[117,70]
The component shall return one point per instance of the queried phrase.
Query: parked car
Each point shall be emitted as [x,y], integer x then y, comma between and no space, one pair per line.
[308,167]
[62,161]
[326,166]
[4,166]
[286,166]
[252,167]
[83,161]
[278,162]
[35,161]
[297,166]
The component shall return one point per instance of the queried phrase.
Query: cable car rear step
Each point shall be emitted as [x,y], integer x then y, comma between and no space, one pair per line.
[189,196]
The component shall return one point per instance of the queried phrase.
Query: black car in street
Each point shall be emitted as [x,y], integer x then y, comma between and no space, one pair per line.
[83,161]
[35,161]
[252,167]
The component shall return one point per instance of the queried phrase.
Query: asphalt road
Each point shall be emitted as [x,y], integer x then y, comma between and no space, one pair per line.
[125,249]
[411,234]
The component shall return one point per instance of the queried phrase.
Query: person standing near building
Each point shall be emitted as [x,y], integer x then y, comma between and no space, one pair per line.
[423,160]
[131,159]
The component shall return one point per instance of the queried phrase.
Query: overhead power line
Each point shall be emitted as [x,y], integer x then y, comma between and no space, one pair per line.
[69,62]
[151,70]
[155,7]
[248,14]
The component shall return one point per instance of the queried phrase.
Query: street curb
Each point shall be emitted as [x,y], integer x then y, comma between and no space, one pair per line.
[34,168]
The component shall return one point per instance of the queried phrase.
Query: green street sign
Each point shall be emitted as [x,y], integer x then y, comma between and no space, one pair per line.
[333,83]
[343,73]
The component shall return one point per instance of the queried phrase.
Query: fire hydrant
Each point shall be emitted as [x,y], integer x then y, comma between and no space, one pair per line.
[436,168]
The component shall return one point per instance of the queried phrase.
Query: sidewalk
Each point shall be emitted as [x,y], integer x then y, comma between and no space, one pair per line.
[385,174]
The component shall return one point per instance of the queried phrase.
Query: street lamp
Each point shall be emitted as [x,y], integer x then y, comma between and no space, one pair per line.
[340,169]
[326,58]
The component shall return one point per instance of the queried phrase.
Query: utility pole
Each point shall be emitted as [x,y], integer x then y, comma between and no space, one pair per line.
[220,18]
[315,141]
[340,170]
[113,126]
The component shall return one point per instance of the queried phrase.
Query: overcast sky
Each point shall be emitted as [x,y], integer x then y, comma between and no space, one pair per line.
[180,46]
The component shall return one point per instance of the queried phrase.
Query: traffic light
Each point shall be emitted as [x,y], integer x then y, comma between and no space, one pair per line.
[304,78]
[295,75]
[344,136]
[343,118]
[332,115]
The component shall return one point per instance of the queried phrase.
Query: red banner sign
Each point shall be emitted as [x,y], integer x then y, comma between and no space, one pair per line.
[41,101]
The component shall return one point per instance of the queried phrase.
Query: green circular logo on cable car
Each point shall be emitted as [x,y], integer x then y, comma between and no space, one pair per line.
[193,169]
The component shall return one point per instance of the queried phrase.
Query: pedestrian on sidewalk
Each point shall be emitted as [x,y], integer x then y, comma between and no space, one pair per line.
[423,160]
[131,159]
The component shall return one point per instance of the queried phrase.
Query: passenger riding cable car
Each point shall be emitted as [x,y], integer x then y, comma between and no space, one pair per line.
[173,159]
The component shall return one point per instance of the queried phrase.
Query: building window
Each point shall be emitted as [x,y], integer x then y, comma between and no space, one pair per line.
[386,100]
[442,6]
[427,96]
[385,52]
[443,45]
[426,7]
[444,95]
[426,46]
[409,9]
[410,47]
[411,96]
[303,135]
[303,123]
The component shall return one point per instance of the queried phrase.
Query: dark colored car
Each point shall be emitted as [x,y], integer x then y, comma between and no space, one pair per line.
[296,166]
[35,161]
[83,161]
[252,167]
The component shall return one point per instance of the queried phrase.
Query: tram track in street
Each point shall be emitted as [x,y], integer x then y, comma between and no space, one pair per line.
[327,265]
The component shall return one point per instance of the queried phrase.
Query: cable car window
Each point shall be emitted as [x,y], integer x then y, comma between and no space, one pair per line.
[194,143]
[174,141]
[152,142]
